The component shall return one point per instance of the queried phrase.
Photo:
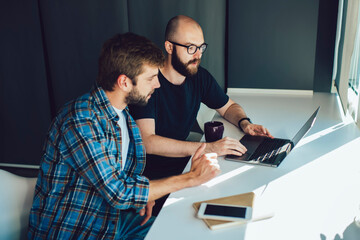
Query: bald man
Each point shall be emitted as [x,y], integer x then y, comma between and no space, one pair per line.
[166,121]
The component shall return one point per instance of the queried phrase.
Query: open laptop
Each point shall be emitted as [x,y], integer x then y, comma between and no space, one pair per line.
[270,152]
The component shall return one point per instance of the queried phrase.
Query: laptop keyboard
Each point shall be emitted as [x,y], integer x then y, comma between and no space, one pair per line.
[268,150]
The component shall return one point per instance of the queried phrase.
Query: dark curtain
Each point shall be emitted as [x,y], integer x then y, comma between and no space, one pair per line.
[50,49]
[326,35]
[73,33]
[24,105]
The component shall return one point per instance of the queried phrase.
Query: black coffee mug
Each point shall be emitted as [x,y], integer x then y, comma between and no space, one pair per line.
[213,131]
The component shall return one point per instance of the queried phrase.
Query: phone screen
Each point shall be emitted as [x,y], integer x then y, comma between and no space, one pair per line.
[228,211]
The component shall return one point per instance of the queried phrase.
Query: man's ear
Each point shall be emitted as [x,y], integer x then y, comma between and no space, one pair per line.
[124,83]
[169,47]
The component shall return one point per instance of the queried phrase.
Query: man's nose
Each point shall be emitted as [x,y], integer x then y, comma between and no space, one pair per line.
[198,54]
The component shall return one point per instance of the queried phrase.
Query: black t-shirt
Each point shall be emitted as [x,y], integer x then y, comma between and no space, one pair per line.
[175,107]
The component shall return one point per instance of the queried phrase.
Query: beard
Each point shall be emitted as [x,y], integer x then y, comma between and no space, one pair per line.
[183,68]
[135,98]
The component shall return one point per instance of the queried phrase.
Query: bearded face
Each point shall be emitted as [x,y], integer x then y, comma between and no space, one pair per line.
[136,98]
[186,69]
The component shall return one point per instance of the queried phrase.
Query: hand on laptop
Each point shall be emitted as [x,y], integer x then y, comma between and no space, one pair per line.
[226,146]
[257,130]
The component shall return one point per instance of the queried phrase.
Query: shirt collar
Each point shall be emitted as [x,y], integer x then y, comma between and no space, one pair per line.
[104,104]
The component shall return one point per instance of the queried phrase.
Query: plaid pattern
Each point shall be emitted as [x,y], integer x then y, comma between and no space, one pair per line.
[81,190]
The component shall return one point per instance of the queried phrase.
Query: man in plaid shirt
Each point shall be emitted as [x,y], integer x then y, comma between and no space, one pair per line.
[90,184]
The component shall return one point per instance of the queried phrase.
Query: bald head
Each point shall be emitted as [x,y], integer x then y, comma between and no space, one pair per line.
[178,25]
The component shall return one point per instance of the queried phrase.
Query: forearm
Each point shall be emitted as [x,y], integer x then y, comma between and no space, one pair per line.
[161,187]
[234,113]
[168,147]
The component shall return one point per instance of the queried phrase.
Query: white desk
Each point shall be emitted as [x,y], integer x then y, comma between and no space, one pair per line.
[315,192]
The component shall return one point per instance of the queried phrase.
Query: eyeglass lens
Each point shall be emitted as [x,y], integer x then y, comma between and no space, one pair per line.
[192,48]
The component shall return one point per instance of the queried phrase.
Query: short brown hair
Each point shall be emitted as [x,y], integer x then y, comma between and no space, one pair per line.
[126,54]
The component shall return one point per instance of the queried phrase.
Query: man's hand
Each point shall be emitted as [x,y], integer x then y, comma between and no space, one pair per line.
[204,166]
[226,146]
[148,211]
[256,130]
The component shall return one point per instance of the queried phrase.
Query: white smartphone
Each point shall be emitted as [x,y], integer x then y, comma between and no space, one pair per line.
[225,212]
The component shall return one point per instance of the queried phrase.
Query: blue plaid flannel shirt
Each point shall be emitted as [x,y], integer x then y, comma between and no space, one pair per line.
[81,189]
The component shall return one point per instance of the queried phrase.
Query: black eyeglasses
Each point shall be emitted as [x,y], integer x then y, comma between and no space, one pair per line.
[191,49]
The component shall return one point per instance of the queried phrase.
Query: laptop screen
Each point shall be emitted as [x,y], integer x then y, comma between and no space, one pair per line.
[301,133]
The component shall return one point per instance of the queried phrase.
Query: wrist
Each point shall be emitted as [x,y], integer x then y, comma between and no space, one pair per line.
[192,147]
[242,123]
[189,179]
[209,147]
